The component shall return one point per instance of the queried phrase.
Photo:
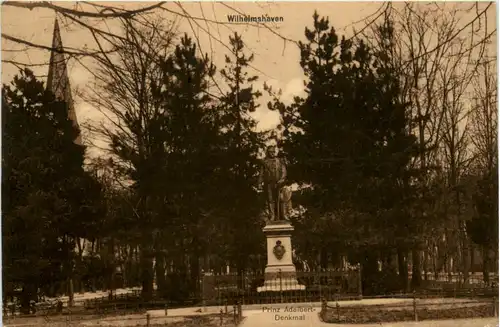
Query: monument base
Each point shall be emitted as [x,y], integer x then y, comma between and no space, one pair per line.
[280,273]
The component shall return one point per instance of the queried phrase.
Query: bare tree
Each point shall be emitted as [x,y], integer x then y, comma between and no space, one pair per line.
[124,83]
[96,19]
[436,50]
[484,128]
[122,248]
[455,78]
[455,158]
[484,116]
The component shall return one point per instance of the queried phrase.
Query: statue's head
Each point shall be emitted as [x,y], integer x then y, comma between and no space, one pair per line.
[271,151]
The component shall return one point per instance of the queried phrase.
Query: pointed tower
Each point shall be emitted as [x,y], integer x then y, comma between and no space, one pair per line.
[57,80]
[58,84]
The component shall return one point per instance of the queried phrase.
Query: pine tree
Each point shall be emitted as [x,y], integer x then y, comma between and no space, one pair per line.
[47,202]
[348,141]
[241,145]
[192,155]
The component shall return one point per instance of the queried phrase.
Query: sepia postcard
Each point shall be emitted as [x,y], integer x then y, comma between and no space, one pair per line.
[260,163]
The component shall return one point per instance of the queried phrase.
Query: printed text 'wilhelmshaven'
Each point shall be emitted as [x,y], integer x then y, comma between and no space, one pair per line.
[254,19]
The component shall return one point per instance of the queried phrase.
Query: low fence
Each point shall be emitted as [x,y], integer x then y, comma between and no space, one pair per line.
[446,285]
[123,299]
[229,288]
[409,307]
[225,316]
[473,278]
[446,291]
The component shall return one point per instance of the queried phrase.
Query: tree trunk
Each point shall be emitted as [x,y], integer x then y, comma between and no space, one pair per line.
[79,281]
[137,266]
[146,266]
[369,272]
[426,263]
[69,270]
[435,258]
[124,267]
[486,265]
[473,258]
[240,270]
[130,266]
[29,292]
[194,263]
[111,267]
[466,255]
[449,266]
[416,277]
[495,265]
[160,273]
[71,292]
[324,258]
[403,269]
[206,263]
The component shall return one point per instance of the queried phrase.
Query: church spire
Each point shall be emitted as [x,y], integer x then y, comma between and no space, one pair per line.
[57,80]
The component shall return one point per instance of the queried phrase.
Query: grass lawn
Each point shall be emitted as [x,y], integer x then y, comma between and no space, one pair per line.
[378,314]
[202,321]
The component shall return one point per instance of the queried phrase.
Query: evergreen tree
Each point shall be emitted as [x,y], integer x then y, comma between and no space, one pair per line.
[47,196]
[348,141]
[192,154]
[241,144]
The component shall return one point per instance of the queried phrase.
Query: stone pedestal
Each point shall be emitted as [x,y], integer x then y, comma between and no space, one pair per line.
[280,273]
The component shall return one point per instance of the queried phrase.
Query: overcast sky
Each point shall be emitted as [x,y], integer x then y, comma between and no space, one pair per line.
[277,61]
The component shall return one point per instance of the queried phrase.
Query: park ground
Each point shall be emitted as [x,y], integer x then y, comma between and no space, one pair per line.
[254,315]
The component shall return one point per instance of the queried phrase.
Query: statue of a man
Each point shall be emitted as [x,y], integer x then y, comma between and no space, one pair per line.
[285,202]
[273,175]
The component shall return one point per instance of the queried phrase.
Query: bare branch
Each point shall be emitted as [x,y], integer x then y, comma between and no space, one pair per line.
[106,12]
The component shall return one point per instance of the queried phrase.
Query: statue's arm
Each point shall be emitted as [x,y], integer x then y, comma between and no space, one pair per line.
[283,172]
